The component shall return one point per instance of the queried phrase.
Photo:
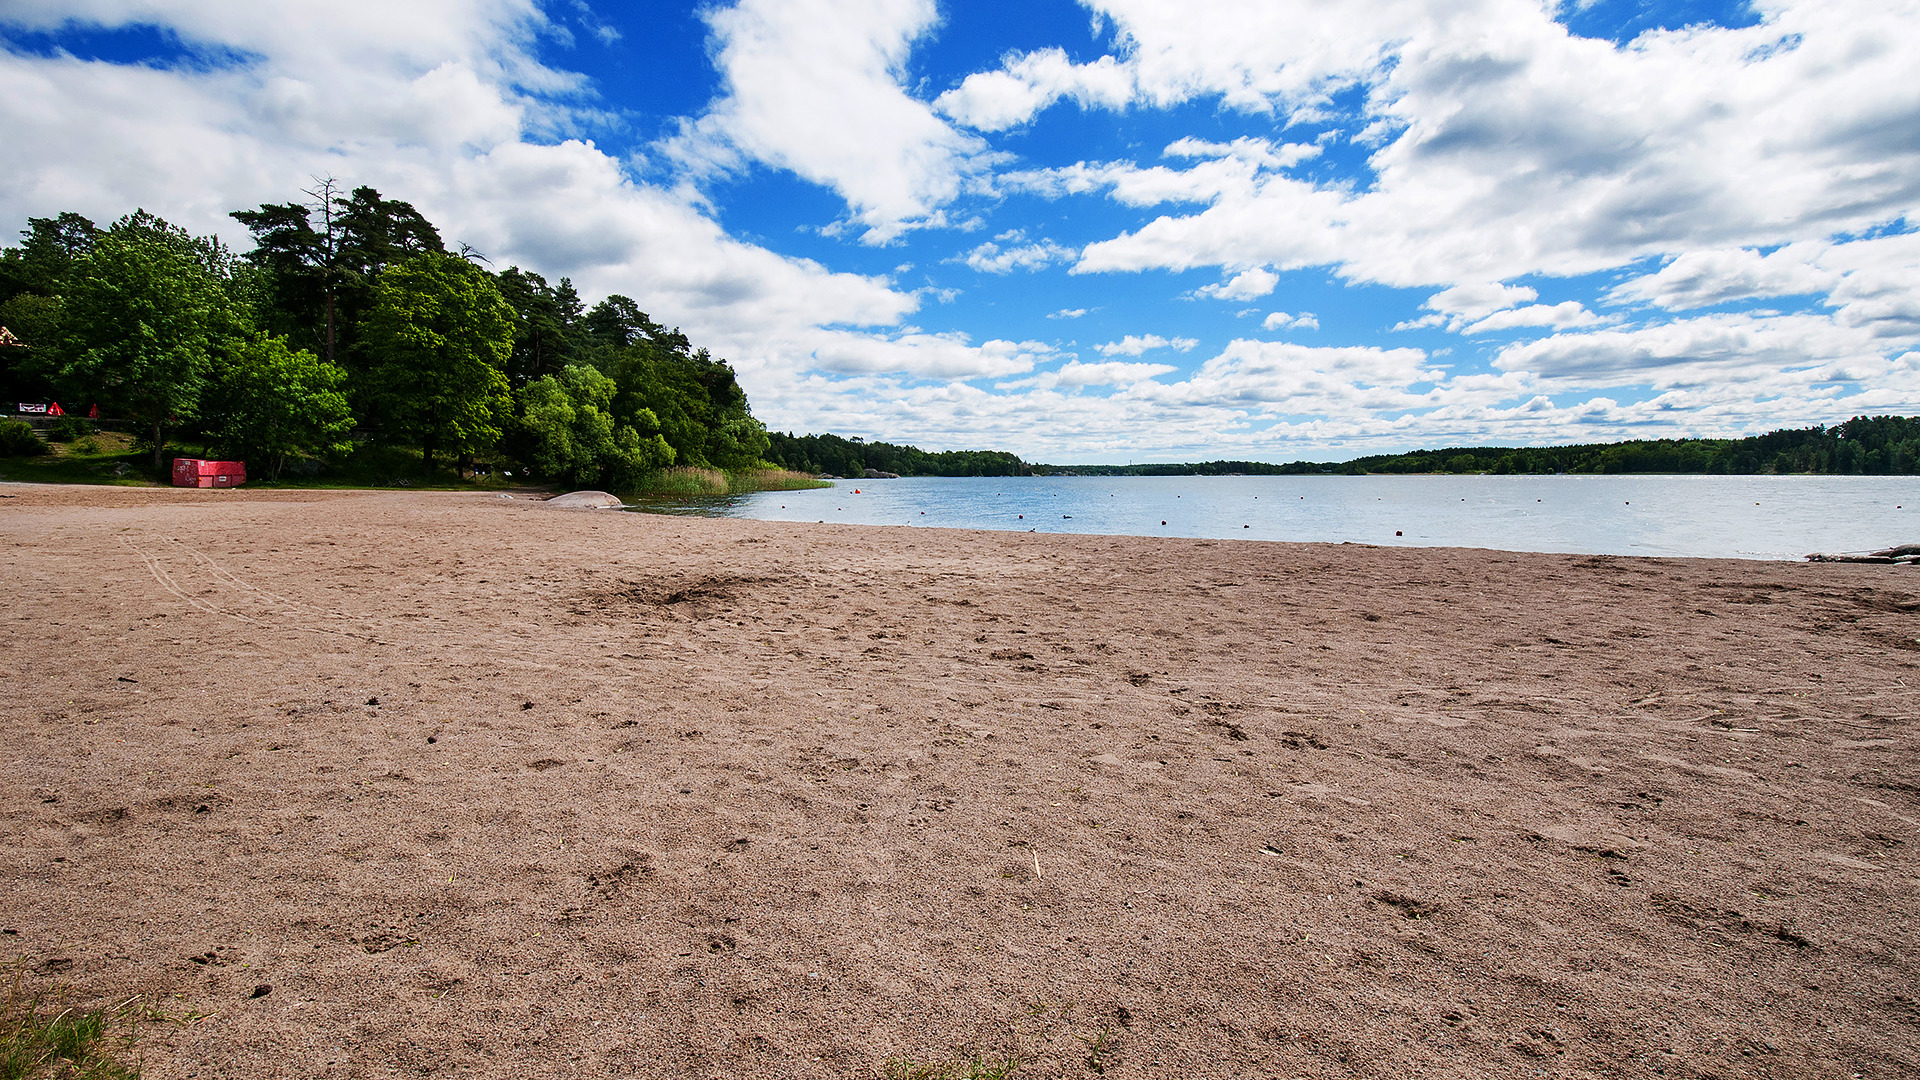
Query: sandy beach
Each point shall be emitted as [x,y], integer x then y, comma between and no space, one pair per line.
[480,787]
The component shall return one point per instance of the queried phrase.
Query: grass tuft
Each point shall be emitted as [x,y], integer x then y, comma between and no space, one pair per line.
[39,1040]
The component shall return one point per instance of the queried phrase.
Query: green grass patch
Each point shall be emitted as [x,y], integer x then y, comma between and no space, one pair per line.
[42,1040]
[102,457]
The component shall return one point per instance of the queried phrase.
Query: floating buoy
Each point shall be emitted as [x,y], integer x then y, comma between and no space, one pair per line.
[856,491]
[1246,526]
[1396,532]
[1163,523]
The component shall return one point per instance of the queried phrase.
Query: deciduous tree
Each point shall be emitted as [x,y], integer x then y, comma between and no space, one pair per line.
[145,312]
[273,403]
[437,337]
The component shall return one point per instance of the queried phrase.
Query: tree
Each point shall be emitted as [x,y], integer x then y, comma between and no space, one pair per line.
[146,310]
[545,318]
[437,337]
[48,249]
[273,403]
[568,432]
[320,279]
[618,322]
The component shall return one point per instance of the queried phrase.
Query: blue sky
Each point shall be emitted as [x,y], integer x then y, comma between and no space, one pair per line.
[1104,231]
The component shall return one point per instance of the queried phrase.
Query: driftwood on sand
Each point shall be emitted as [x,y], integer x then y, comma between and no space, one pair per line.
[1899,553]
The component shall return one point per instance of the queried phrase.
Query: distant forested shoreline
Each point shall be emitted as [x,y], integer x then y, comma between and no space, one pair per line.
[1862,446]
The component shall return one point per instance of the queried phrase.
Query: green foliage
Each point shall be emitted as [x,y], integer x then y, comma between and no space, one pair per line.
[853,457]
[48,249]
[437,336]
[18,440]
[546,318]
[569,433]
[273,403]
[696,400]
[319,279]
[145,311]
[41,1041]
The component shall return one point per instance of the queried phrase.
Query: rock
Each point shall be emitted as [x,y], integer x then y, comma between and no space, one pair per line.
[586,500]
[877,474]
[1898,551]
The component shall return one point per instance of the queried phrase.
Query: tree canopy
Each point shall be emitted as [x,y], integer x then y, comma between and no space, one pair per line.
[436,338]
[144,313]
[350,325]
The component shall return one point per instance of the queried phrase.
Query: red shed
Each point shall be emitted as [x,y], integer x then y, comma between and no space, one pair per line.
[194,472]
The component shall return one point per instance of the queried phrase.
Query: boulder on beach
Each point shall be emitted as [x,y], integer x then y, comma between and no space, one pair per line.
[586,500]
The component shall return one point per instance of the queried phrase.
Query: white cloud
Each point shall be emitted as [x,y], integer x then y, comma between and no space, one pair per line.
[1755,355]
[1691,139]
[1476,301]
[1280,320]
[1561,316]
[815,87]
[1134,345]
[1068,313]
[1872,283]
[996,100]
[923,355]
[1715,276]
[1246,285]
[1074,374]
[1018,254]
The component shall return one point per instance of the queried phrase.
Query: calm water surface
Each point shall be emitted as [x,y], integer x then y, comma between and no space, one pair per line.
[1751,517]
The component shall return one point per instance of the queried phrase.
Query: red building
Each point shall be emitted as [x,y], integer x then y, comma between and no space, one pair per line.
[195,472]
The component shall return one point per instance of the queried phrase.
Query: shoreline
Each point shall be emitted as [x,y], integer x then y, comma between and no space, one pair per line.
[477,785]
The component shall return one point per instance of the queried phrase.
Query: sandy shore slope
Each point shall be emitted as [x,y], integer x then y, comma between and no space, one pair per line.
[484,788]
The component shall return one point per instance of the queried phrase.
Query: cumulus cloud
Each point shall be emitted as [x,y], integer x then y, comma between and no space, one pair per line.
[1280,320]
[1246,285]
[1135,344]
[935,356]
[1691,139]
[1018,253]
[1757,354]
[996,100]
[1697,279]
[1477,301]
[1074,374]
[1560,316]
[815,87]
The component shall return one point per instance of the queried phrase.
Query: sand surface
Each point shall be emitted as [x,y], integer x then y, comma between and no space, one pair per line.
[483,788]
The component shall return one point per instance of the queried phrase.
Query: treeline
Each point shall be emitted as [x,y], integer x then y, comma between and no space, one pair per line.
[1863,446]
[350,324]
[831,454]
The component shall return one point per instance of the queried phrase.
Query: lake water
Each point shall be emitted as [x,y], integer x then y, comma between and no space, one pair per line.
[1749,517]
